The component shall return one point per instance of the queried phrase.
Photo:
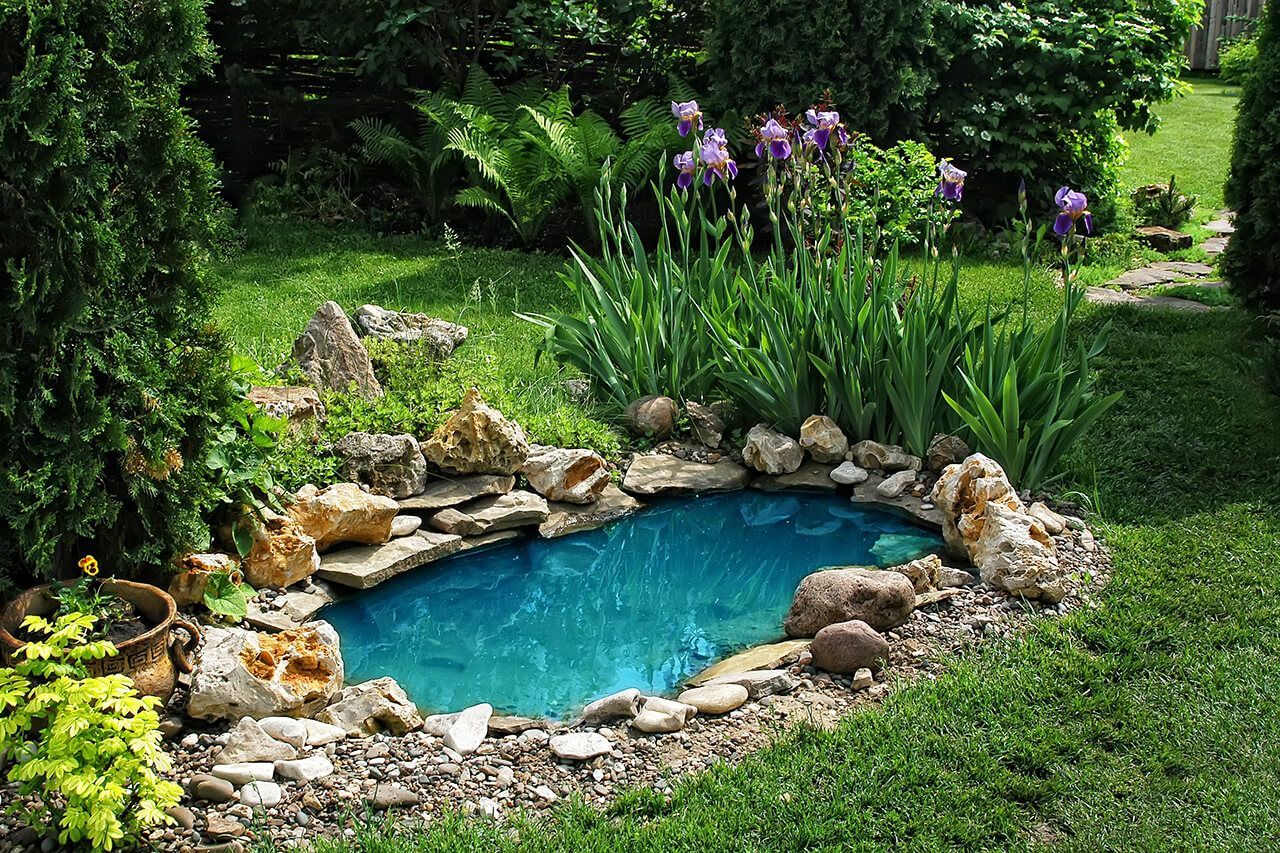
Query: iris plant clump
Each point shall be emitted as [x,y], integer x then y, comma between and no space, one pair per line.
[821,320]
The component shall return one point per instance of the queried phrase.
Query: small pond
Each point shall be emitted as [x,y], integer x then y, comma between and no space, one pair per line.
[541,627]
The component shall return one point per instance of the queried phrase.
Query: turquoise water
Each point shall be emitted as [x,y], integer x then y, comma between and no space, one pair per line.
[541,627]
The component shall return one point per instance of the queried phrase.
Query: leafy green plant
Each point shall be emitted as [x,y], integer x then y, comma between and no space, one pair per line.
[1237,56]
[227,595]
[87,747]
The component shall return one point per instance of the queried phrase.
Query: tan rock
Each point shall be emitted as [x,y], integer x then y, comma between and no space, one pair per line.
[442,494]
[656,473]
[1052,521]
[963,493]
[653,416]
[1016,554]
[823,439]
[439,336]
[882,599]
[924,573]
[565,518]
[343,512]
[477,439]
[331,355]
[716,698]
[570,475]
[187,586]
[369,565]
[295,404]
[875,456]
[946,450]
[771,452]
[769,656]
[372,707]
[282,552]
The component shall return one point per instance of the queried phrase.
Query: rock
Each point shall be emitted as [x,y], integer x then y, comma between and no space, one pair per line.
[439,336]
[863,678]
[884,457]
[371,707]
[848,474]
[331,355]
[580,746]
[869,493]
[219,827]
[489,515]
[405,525]
[949,578]
[811,476]
[847,647]
[390,465]
[443,494]
[249,743]
[437,725]
[211,788]
[295,404]
[655,474]
[708,426]
[187,586]
[469,729]
[244,772]
[286,612]
[946,450]
[282,553]
[896,483]
[771,452]
[393,797]
[477,439]
[313,767]
[660,715]
[342,513]
[764,657]
[319,734]
[716,698]
[759,683]
[882,599]
[287,729]
[246,673]
[1163,239]
[935,596]
[924,573]
[1016,554]
[370,565]
[653,416]
[963,493]
[263,795]
[501,726]
[576,476]
[1053,523]
[823,439]
[487,540]
[181,815]
[624,703]
[565,518]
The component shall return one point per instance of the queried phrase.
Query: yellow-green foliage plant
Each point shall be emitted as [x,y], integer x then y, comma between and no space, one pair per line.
[86,747]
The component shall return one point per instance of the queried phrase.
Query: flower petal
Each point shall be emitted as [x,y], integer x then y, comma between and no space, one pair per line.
[1062,225]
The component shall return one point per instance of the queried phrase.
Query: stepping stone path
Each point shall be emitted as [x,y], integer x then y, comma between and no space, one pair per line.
[1131,288]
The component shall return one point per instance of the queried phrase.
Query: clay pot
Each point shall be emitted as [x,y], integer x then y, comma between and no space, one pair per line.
[152,659]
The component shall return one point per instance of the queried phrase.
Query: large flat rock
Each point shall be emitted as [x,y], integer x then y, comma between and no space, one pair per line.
[655,474]
[288,611]
[442,494]
[906,503]
[769,656]
[1145,277]
[810,475]
[361,568]
[566,518]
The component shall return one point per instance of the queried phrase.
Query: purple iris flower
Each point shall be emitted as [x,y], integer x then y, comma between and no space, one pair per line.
[774,137]
[717,135]
[824,123]
[950,181]
[687,112]
[715,156]
[685,163]
[1075,207]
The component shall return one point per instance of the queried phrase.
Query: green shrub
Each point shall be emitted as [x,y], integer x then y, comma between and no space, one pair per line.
[1252,259]
[1162,204]
[88,747]
[109,376]
[1237,56]
[876,57]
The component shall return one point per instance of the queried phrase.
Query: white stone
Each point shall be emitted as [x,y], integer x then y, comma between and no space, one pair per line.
[963,493]
[715,698]
[580,746]
[371,707]
[624,703]
[264,795]
[285,729]
[249,743]
[663,715]
[438,725]
[320,734]
[468,731]
[314,766]
[863,679]
[895,484]
[544,792]
[849,474]
[244,772]
[403,525]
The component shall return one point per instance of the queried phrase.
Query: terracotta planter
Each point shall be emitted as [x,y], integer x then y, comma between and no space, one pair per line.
[152,660]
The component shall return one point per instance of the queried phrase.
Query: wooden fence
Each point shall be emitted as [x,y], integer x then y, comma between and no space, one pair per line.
[1222,20]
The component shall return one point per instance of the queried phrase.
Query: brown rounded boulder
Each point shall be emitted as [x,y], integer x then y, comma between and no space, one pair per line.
[847,647]
[882,599]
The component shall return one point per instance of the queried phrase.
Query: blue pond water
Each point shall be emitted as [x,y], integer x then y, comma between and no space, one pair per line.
[539,628]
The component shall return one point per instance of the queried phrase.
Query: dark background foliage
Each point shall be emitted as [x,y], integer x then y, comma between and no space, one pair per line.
[109,382]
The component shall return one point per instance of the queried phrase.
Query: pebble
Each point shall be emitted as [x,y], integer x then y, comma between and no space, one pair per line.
[264,795]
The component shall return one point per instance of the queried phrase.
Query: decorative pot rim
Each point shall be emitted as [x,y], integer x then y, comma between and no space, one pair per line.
[15,610]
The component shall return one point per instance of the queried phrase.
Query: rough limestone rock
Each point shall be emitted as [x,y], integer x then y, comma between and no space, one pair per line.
[884,600]
[321,734]
[580,746]
[1052,521]
[659,716]
[437,725]
[309,769]
[187,586]
[295,404]
[847,647]
[875,456]
[372,707]
[331,355]
[245,673]
[771,452]
[896,483]
[715,698]
[342,513]
[824,441]
[566,518]
[759,682]
[286,729]
[849,474]
[489,515]
[468,731]
[439,336]
[653,416]
[390,465]
[708,426]
[477,439]
[570,475]
[249,743]
[624,703]
[946,450]
[655,474]
[963,493]
[1016,554]
[282,552]
[925,573]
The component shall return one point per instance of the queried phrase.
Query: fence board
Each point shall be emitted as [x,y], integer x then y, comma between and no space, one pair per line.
[1222,19]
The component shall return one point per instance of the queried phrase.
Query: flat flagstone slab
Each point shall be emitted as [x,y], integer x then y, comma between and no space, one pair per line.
[654,474]
[1102,296]
[1145,277]
[566,518]
[443,494]
[1107,296]
[768,656]
[1222,227]
[361,568]
[484,540]
[1188,268]
[1215,245]
[866,493]
[287,611]
[810,475]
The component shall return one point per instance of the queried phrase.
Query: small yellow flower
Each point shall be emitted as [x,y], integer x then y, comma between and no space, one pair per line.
[89,565]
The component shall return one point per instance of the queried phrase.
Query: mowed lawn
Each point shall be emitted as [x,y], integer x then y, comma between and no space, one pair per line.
[1149,722]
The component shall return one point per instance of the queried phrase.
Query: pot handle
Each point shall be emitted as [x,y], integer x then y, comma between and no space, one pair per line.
[179,649]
